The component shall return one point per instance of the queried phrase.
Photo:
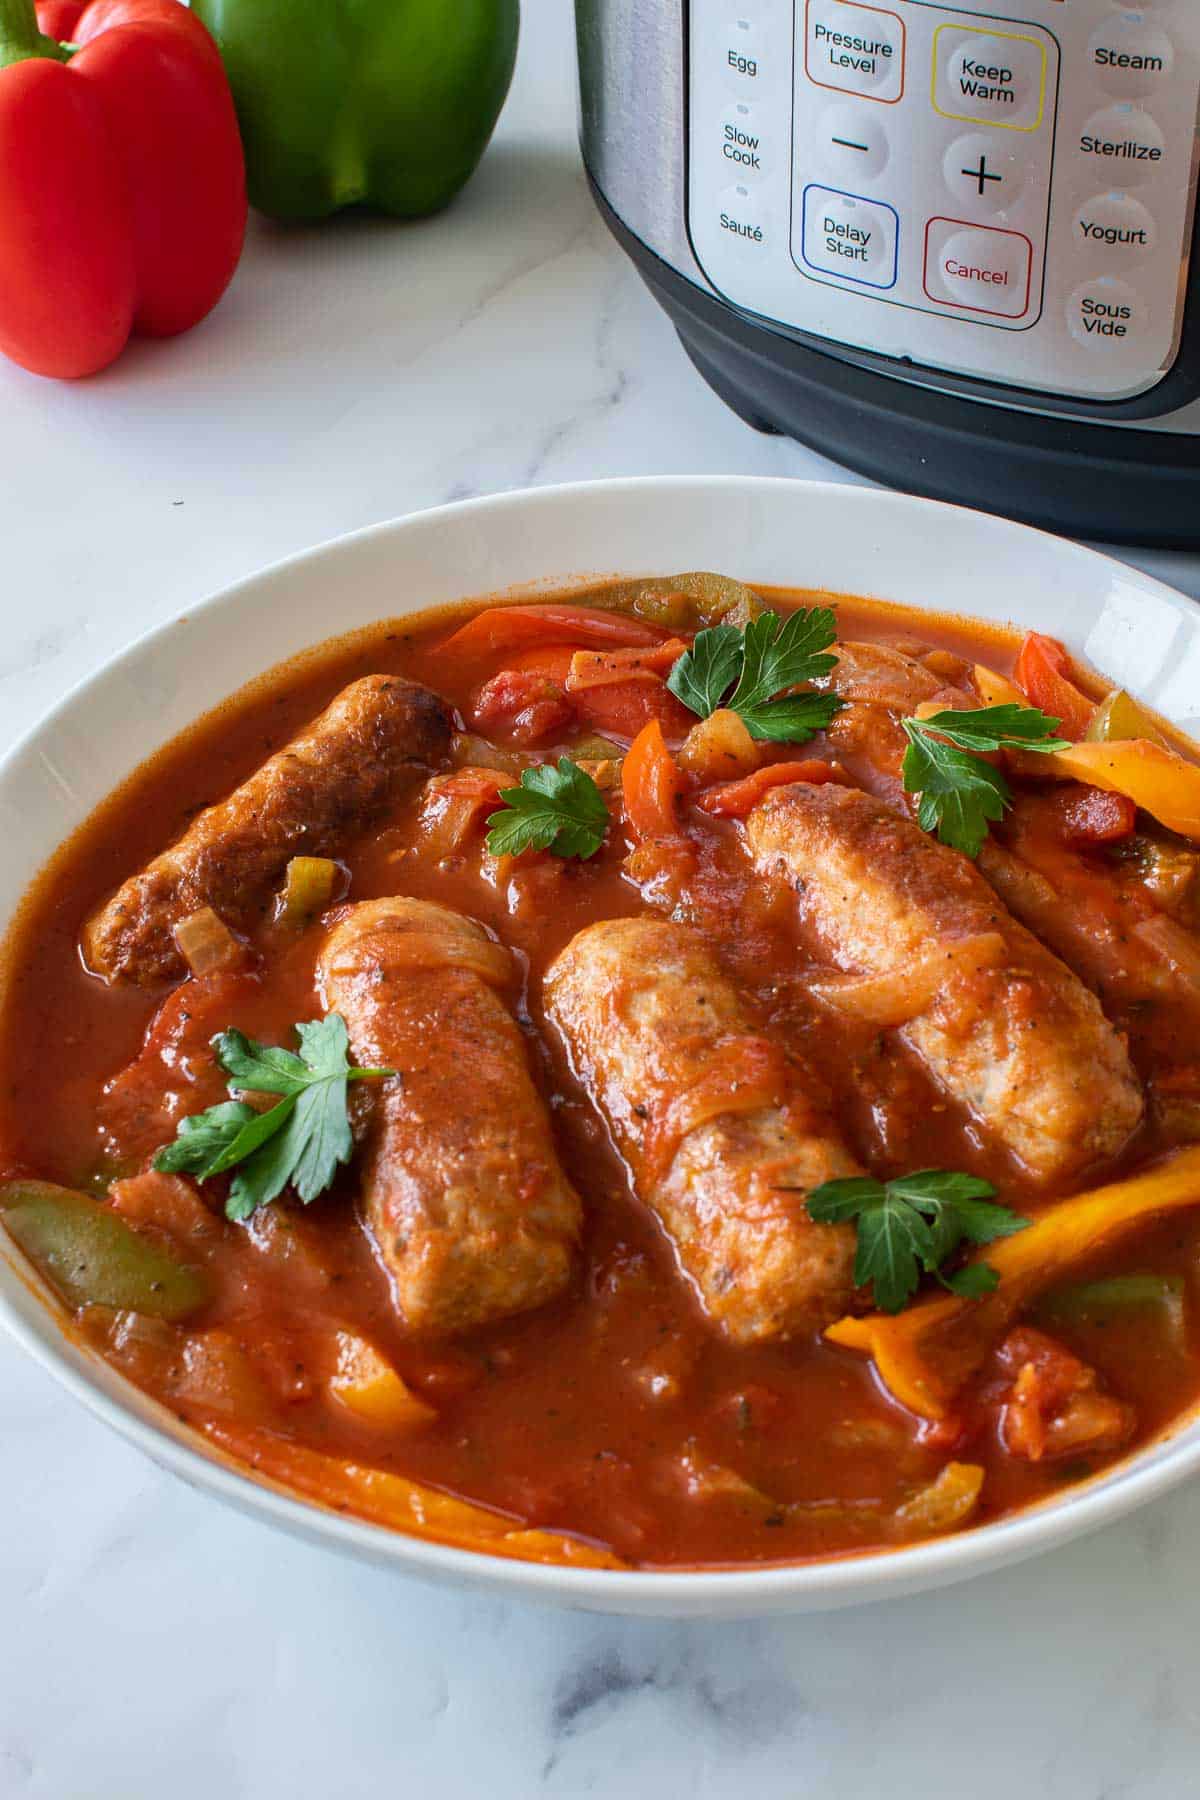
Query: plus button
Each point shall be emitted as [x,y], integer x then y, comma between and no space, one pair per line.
[982,175]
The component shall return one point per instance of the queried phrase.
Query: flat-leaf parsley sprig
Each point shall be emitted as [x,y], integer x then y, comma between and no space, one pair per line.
[960,793]
[758,664]
[559,809]
[910,1226]
[299,1142]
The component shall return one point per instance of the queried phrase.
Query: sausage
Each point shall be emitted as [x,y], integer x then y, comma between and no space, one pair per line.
[714,1122]
[366,751]
[1022,1043]
[462,1189]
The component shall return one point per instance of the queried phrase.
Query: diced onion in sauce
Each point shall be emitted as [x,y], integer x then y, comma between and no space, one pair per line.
[206,943]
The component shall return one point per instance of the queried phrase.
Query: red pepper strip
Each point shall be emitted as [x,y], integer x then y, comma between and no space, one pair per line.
[619,691]
[476,784]
[122,183]
[651,783]
[508,627]
[1043,673]
[553,662]
[734,799]
[622,711]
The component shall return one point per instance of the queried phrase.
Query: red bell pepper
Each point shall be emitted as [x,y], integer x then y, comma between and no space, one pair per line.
[736,799]
[122,181]
[1043,674]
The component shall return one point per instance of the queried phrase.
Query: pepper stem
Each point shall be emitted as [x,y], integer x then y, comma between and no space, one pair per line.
[20,38]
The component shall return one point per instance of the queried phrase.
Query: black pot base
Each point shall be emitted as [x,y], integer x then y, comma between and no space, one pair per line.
[1123,485]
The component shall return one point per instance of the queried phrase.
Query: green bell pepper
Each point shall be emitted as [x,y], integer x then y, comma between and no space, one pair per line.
[92,1257]
[387,104]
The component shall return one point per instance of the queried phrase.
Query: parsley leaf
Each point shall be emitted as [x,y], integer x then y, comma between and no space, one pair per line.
[911,1225]
[960,794]
[704,675]
[559,809]
[759,663]
[299,1142]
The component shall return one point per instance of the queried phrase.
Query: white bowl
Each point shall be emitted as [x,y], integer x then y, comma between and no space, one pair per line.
[849,539]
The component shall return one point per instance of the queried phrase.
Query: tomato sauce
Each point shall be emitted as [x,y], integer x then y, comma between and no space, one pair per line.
[615,1414]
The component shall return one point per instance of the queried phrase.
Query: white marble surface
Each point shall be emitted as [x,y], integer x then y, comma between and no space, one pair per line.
[150,1643]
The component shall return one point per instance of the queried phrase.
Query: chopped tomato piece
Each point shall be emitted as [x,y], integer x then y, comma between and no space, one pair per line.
[734,799]
[1056,1406]
[528,705]
[510,627]
[1085,816]
[1043,673]
[651,784]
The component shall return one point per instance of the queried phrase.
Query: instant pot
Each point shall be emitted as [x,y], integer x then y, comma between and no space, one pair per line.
[948,246]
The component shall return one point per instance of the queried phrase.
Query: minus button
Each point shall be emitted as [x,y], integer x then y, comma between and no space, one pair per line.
[848,142]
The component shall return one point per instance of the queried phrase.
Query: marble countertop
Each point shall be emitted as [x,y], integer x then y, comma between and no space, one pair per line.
[152,1643]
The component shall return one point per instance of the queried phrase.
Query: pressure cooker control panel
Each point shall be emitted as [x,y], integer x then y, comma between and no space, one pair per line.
[1010,198]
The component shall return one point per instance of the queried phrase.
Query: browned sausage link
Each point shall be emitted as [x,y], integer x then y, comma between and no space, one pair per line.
[462,1188]
[714,1123]
[367,750]
[1022,1044]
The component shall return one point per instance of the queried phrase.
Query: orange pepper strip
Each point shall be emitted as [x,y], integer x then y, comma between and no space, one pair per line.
[651,783]
[604,668]
[734,799]
[1043,673]
[397,1502]
[925,1354]
[997,690]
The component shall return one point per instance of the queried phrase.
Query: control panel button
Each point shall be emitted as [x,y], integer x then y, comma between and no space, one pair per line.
[1106,314]
[744,54]
[743,218]
[742,144]
[851,143]
[1125,142]
[1118,224]
[997,76]
[1129,54]
[979,268]
[859,49]
[985,172]
[847,235]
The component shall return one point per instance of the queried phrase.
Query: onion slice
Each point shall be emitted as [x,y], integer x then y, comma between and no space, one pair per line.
[205,943]
[747,1074]
[905,994]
